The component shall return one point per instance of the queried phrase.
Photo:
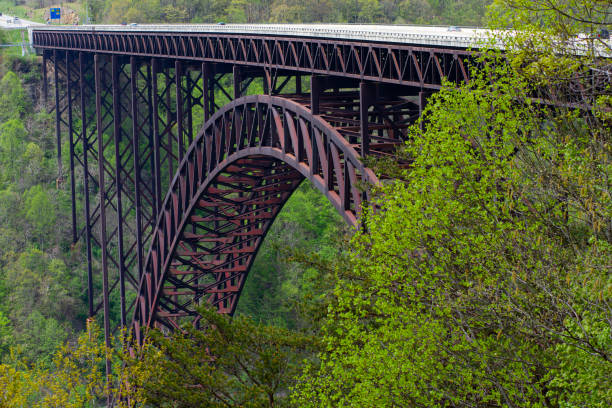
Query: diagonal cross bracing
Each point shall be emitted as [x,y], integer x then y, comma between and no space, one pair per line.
[178,216]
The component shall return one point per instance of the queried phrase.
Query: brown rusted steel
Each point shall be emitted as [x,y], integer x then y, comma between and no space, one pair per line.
[58,110]
[45,60]
[81,93]
[70,87]
[86,177]
[100,143]
[125,201]
[178,76]
[156,141]
[136,156]
[226,193]
[366,100]
[416,66]
[65,96]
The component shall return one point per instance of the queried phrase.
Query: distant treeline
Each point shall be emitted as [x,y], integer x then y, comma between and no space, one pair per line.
[427,12]
[455,12]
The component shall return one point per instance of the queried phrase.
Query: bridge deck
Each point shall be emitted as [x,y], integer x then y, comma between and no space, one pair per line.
[436,36]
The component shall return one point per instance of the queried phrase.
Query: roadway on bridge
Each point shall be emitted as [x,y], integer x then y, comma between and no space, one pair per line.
[12,22]
[447,36]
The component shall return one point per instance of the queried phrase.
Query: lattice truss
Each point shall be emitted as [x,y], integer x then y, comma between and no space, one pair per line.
[401,64]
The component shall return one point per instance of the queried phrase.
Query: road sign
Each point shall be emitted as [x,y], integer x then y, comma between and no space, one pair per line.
[55,13]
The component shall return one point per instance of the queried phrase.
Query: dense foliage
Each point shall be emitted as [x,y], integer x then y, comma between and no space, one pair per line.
[456,12]
[482,277]
[292,11]
[72,379]
[230,363]
[475,283]
[43,277]
[41,288]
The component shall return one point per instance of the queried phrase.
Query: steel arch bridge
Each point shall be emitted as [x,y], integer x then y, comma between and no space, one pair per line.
[177,215]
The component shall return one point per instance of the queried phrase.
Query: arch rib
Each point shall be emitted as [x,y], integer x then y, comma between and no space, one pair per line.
[235,177]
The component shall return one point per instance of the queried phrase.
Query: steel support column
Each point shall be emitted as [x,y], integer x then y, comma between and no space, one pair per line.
[298,84]
[156,142]
[316,88]
[367,94]
[208,96]
[153,136]
[136,150]
[237,80]
[102,193]
[85,142]
[170,120]
[119,183]
[57,115]
[178,76]
[189,88]
[45,60]
[69,63]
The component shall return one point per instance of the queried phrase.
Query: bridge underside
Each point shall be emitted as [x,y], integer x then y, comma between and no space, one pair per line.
[221,235]
[177,216]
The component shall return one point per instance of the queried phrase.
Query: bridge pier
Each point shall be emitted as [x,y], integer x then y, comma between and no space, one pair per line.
[103,198]
[367,97]
[117,137]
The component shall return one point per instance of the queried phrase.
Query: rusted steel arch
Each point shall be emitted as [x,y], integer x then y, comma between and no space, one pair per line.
[232,182]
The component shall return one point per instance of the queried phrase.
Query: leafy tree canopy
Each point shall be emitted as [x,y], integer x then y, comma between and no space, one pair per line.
[482,277]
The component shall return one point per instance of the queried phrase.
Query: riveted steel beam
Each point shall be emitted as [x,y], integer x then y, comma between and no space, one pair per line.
[397,63]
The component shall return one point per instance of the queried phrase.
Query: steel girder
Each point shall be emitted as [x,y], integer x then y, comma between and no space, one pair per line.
[417,66]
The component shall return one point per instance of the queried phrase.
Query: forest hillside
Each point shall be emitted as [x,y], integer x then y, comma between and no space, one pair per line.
[481,276]
[431,12]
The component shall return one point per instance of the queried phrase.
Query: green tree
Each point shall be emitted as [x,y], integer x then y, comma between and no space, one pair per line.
[415,11]
[116,11]
[466,12]
[10,203]
[95,10]
[12,97]
[35,166]
[483,278]
[5,334]
[236,11]
[74,378]
[39,211]
[12,135]
[41,302]
[371,11]
[229,363]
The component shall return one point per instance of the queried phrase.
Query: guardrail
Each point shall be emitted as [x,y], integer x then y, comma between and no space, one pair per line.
[455,37]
